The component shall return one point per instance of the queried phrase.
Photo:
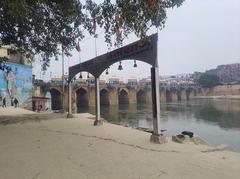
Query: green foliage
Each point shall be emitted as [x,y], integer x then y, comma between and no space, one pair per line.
[208,80]
[43,26]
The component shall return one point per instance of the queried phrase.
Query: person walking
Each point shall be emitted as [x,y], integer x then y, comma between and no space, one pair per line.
[11,101]
[4,103]
[15,102]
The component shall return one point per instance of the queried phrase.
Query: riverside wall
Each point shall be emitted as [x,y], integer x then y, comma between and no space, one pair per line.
[222,90]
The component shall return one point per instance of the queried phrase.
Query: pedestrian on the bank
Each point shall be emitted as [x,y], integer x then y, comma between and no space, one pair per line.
[11,101]
[4,103]
[15,102]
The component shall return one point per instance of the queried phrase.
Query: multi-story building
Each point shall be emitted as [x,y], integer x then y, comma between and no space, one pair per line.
[177,81]
[196,76]
[229,73]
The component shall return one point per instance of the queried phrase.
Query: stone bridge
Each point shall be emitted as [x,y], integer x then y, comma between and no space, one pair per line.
[83,95]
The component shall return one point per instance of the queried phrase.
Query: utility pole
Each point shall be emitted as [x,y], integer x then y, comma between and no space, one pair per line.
[62,80]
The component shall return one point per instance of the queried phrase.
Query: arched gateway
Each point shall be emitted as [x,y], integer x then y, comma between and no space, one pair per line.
[56,101]
[145,51]
[123,97]
[104,97]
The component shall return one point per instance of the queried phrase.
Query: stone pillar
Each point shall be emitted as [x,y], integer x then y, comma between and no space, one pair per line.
[179,95]
[157,136]
[113,96]
[69,115]
[149,95]
[163,95]
[132,94]
[174,96]
[183,95]
[91,96]
[98,120]
[191,95]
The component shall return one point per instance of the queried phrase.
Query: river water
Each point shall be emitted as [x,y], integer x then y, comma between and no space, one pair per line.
[215,120]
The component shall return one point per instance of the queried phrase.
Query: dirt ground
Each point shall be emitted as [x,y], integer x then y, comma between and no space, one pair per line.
[35,147]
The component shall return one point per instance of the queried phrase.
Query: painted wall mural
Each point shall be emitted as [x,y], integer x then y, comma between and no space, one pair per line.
[17,84]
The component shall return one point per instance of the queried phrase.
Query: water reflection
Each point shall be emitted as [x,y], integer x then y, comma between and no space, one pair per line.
[217,121]
[223,119]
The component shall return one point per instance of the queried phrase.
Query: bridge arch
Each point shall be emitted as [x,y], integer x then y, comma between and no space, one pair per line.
[54,88]
[81,98]
[56,102]
[81,87]
[104,97]
[123,97]
[141,97]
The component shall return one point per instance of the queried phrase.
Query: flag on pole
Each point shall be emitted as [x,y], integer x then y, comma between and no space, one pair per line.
[94,25]
[78,46]
[152,3]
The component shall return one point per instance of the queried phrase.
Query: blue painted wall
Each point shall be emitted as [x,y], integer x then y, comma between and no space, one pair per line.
[17,83]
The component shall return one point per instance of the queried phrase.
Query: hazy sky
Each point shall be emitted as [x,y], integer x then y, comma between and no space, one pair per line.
[199,35]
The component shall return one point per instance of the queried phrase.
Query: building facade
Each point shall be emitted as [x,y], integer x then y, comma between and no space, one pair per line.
[16,82]
[229,73]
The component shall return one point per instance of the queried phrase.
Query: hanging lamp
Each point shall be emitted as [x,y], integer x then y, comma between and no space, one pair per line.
[135,64]
[120,66]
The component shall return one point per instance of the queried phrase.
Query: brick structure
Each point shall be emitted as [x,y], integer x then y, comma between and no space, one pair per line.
[219,90]
[83,94]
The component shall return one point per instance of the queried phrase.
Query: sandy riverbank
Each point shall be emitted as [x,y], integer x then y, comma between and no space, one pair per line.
[73,148]
[11,111]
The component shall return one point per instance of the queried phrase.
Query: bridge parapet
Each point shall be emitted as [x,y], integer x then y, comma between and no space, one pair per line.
[91,83]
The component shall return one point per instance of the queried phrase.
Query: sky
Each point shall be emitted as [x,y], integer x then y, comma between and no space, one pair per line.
[199,35]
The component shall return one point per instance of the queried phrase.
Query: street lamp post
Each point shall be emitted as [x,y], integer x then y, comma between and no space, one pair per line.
[62,80]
